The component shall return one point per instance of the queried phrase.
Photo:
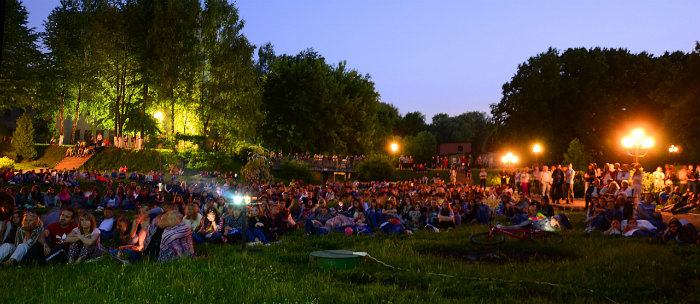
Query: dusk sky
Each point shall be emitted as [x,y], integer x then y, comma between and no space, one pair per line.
[453,56]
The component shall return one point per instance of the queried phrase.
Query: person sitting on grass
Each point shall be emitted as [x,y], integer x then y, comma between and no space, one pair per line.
[85,240]
[176,241]
[683,233]
[30,233]
[257,224]
[646,210]
[232,223]
[56,233]
[36,197]
[192,216]
[9,228]
[414,217]
[445,216]
[602,214]
[210,228]
[317,224]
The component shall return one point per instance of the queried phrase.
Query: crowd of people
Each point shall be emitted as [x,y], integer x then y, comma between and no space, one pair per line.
[80,150]
[150,216]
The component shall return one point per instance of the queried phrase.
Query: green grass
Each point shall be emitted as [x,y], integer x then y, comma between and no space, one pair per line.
[584,269]
[135,160]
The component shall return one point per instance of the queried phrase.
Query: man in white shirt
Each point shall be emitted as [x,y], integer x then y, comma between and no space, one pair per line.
[546,179]
[569,178]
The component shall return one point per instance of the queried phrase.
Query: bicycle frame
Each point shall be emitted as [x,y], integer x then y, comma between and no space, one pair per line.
[515,232]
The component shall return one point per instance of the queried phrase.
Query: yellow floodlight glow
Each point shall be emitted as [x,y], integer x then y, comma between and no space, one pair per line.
[647,142]
[158,115]
[514,159]
[394,147]
[628,142]
[536,148]
[504,159]
[637,134]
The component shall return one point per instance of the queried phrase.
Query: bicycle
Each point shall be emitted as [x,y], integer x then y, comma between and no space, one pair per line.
[497,235]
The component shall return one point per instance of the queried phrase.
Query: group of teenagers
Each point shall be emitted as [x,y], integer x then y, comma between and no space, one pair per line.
[138,220]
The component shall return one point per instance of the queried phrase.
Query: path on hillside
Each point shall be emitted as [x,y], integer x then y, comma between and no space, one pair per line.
[72,163]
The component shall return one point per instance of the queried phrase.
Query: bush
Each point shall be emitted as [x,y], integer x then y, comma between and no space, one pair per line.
[11,155]
[212,161]
[23,138]
[293,169]
[256,171]
[6,163]
[377,167]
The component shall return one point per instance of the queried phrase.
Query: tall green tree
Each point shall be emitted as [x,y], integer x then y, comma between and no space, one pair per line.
[23,137]
[680,96]
[312,106]
[20,58]
[583,93]
[174,38]
[230,92]
[577,155]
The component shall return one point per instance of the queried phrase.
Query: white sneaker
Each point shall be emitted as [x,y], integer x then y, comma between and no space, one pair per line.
[253,243]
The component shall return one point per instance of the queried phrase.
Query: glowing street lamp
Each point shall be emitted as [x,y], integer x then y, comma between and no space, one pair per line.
[637,144]
[509,159]
[672,149]
[394,147]
[537,149]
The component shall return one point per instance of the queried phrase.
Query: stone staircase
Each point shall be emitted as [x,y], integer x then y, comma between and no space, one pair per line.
[70,163]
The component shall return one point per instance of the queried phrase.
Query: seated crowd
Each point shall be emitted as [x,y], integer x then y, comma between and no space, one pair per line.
[148,216]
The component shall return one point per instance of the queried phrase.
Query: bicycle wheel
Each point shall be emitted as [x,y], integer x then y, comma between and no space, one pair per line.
[485,239]
[547,236]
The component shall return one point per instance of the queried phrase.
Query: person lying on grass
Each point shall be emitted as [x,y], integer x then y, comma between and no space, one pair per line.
[681,231]
[634,227]
[540,222]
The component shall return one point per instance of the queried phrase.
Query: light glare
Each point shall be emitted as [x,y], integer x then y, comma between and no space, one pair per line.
[628,142]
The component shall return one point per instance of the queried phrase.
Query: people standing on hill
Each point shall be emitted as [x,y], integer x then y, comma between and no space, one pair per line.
[557,184]
[569,175]
[546,177]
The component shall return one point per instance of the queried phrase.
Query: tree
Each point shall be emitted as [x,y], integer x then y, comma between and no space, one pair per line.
[174,38]
[23,137]
[70,40]
[20,58]
[412,123]
[576,155]
[583,93]
[421,146]
[680,95]
[229,89]
[312,106]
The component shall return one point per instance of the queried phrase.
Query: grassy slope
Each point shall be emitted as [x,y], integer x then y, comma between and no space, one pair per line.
[138,160]
[588,270]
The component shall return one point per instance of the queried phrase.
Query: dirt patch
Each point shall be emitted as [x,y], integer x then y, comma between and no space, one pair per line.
[498,255]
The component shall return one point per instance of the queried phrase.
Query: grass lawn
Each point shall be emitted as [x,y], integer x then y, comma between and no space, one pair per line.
[582,269]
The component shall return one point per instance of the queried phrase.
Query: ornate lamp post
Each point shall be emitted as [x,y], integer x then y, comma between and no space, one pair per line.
[509,159]
[637,144]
